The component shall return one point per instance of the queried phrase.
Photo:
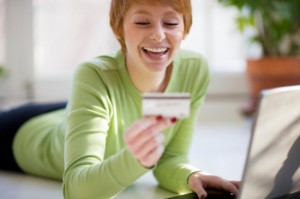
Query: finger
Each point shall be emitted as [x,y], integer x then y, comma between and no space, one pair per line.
[201,193]
[236,184]
[152,157]
[197,186]
[139,126]
[149,146]
[149,133]
[159,126]
[230,187]
[217,182]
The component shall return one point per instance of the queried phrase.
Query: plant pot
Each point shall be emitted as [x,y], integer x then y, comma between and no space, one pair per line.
[269,72]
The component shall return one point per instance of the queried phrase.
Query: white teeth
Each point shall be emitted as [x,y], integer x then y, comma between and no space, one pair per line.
[156,50]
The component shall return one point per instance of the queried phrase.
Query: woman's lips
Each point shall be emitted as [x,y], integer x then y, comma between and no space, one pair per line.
[155,53]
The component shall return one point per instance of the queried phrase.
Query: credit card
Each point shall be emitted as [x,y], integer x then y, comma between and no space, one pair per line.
[166,104]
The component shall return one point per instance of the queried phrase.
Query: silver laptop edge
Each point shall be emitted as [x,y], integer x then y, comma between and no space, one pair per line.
[272,168]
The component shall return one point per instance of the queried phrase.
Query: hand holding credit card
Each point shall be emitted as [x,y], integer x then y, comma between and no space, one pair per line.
[166,104]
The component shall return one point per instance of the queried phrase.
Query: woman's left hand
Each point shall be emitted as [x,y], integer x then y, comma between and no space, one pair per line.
[200,181]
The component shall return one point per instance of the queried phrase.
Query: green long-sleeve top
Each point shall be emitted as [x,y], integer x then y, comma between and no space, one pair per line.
[84,144]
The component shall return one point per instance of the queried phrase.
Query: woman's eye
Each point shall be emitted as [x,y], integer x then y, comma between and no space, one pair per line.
[171,24]
[142,23]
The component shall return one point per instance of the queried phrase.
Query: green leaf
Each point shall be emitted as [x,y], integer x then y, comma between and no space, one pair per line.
[273,19]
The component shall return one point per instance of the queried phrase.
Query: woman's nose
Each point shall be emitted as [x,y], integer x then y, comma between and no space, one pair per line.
[158,34]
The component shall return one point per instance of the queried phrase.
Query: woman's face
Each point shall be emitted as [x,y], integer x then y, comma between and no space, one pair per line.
[153,34]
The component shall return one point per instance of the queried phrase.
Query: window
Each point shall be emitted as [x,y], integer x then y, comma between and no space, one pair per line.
[68,32]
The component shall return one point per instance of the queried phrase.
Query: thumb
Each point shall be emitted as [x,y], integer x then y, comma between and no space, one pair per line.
[201,193]
[197,186]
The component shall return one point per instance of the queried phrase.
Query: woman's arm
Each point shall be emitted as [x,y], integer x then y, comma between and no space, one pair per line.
[173,169]
[88,173]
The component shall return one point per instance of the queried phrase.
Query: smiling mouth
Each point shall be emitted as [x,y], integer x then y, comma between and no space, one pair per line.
[157,52]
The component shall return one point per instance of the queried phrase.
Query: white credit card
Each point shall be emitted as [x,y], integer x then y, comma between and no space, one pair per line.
[166,104]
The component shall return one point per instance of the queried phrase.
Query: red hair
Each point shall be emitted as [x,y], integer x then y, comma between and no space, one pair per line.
[118,9]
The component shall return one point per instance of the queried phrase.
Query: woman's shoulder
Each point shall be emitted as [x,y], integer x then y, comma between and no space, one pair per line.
[100,66]
[110,61]
[190,60]
[185,54]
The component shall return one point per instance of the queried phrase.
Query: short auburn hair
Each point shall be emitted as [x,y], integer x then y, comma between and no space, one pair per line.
[118,9]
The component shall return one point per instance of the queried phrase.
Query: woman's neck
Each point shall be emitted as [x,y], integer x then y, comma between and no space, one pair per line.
[150,82]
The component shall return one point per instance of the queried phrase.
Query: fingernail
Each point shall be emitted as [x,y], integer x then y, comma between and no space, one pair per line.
[158,118]
[173,120]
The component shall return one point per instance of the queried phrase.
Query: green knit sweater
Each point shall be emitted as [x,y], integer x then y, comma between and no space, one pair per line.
[84,145]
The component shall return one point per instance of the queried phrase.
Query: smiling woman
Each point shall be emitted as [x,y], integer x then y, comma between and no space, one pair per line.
[83,21]
[56,55]
[117,21]
[151,42]
[101,143]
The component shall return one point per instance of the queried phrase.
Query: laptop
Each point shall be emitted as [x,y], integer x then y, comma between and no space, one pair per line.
[272,167]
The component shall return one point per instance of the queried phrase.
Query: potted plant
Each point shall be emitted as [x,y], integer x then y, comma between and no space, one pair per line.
[276,26]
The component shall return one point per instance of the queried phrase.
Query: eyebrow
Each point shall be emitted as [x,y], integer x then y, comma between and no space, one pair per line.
[147,13]
[141,12]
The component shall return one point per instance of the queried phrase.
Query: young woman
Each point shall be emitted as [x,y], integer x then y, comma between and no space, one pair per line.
[101,143]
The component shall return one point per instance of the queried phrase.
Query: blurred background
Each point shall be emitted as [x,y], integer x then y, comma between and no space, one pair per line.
[42,42]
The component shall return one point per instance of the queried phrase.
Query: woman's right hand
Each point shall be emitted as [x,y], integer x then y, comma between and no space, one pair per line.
[144,139]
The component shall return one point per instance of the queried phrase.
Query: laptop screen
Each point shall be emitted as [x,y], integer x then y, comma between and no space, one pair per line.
[272,166]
